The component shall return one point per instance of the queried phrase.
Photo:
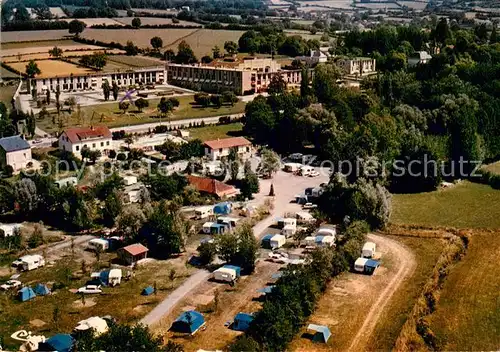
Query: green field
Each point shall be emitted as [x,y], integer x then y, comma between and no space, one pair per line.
[467,317]
[6,94]
[214,132]
[114,117]
[465,205]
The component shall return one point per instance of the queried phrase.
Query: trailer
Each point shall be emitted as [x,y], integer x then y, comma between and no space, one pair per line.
[368,250]
[29,262]
[204,212]
[98,244]
[359,265]
[226,274]
[206,227]
[289,230]
[282,222]
[277,241]
[114,277]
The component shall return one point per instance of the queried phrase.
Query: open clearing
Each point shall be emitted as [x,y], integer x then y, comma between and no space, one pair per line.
[53,68]
[216,132]
[27,36]
[465,205]
[468,314]
[304,34]
[339,4]
[153,21]
[6,94]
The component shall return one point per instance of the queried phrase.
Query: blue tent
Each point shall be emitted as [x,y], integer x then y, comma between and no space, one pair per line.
[266,241]
[242,321]
[188,322]
[26,293]
[265,290]
[277,275]
[148,291]
[371,265]
[235,268]
[223,208]
[318,239]
[41,290]
[322,333]
[59,343]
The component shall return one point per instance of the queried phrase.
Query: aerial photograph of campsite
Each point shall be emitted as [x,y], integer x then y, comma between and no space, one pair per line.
[249,175]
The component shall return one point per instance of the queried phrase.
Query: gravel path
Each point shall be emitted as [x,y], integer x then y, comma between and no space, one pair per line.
[407,264]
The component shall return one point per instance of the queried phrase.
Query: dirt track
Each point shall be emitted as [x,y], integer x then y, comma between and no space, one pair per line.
[407,265]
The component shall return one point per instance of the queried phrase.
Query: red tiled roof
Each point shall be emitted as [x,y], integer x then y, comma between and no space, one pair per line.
[228,143]
[78,134]
[135,249]
[210,186]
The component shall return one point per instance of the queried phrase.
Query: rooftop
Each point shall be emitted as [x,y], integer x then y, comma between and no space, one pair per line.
[228,143]
[14,143]
[135,249]
[210,186]
[79,134]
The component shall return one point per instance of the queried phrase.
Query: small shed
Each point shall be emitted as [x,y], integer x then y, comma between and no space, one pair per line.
[368,250]
[322,333]
[371,265]
[242,321]
[133,253]
[217,229]
[223,208]
[41,290]
[206,227]
[148,291]
[59,343]
[359,264]
[277,241]
[188,322]
[266,241]
[26,293]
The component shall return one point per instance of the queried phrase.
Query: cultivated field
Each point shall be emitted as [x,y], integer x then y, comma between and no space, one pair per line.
[55,11]
[52,68]
[14,48]
[379,6]
[209,133]
[96,21]
[304,34]
[416,5]
[340,4]
[156,11]
[467,317]
[135,61]
[153,21]
[70,53]
[27,36]
[465,205]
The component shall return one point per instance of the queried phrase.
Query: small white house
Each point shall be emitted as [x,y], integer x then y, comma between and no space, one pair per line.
[204,212]
[15,151]
[289,230]
[7,230]
[359,264]
[94,138]
[206,227]
[225,274]
[98,244]
[67,181]
[277,241]
[368,250]
[29,262]
[115,277]
[129,180]
[220,148]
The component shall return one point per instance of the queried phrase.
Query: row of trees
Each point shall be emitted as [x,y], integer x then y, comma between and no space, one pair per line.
[205,100]
[97,60]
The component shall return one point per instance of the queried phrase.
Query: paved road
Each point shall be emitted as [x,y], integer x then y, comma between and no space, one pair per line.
[285,186]
[407,264]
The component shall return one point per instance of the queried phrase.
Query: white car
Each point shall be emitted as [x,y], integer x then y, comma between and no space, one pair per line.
[90,289]
[278,258]
[313,174]
[309,206]
[11,284]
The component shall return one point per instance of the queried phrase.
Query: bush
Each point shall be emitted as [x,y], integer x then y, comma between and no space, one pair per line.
[121,157]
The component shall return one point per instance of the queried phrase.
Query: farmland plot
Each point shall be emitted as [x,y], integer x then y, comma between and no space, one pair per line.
[28,36]
[153,21]
[52,68]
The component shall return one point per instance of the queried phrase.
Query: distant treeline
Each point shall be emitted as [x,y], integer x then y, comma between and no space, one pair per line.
[154,26]
[34,25]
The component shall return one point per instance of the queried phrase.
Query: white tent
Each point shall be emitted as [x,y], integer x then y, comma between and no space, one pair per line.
[277,241]
[225,274]
[359,264]
[368,250]
[325,231]
[99,325]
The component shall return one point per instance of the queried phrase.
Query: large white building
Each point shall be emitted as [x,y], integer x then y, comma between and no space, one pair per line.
[219,148]
[358,66]
[14,151]
[95,138]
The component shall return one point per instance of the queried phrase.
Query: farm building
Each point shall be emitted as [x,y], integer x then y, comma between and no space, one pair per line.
[14,151]
[97,324]
[368,250]
[242,321]
[26,293]
[41,290]
[322,333]
[148,291]
[188,322]
[59,343]
[219,148]
[209,186]
[133,253]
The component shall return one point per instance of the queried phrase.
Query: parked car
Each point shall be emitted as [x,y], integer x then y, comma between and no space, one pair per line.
[11,284]
[309,206]
[90,289]
[313,174]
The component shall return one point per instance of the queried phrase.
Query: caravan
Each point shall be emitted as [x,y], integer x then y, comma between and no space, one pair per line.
[29,262]
[289,230]
[98,244]
[204,212]
[368,250]
[306,170]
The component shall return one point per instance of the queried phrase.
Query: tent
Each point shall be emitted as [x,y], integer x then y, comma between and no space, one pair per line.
[188,322]
[266,290]
[148,291]
[242,321]
[266,241]
[277,275]
[237,269]
[99,325]
[371,265]
[59,343]
[223,208]
[26,293]
[41,290]
[322,333]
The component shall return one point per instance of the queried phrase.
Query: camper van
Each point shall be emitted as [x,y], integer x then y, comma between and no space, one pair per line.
[368,250]
[115,277]
[291,167]
[282,222]
[229,221]
[277,241]
[289,230]
[29,262]
[306,170]
[359,264]
[225,275]
[98,244]
[204,212]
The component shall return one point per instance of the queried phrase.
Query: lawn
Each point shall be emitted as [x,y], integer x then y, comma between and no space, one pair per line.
[214,132]
[465,205]
[6,94]
[114,117]
[468,314]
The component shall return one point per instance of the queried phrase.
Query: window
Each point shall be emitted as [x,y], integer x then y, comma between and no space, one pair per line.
[102,144]
[107,143]
[220,150]
[77,148]
[93,145]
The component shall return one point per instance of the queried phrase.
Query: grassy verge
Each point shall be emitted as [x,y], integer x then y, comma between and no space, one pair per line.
[465,205]
[214,132]
[109,114]
[6,94]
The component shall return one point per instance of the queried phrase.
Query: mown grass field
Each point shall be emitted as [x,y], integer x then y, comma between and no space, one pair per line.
[214,132]
[465,205]
[52,68]
[467,317]
[28,36]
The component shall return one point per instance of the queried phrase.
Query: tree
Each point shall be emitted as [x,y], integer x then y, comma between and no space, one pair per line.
[325,82]
[270,162]
[31,71]
[136,22]
[165,107]
[106,89]
[36,238]
[169,55]
[130,221]
[216,52]
[55,52]
[206,59]
[202,99]
[494,36]
[260,120]
[93,155]
[234,164]
[58,95]
[115,90]
[31,124]
[229,97]
[112,209]
[185,54]
[131,49]
[217,100]
[206,252]
[21,14]
[48,97]
[248,248]
[26,196]
[124,105]
[76,27]
[250,184]
[141,103]
[156,43]
[231,47]
[70,102]
[277,84]
[442,32]
[227,244]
